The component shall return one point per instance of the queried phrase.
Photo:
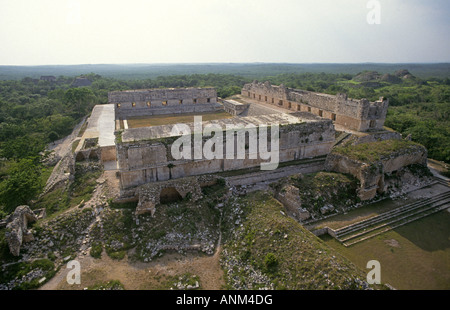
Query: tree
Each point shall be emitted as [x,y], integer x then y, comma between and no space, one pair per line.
[79,100]
[21,185]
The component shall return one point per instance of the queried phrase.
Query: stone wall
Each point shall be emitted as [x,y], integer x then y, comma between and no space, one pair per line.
[146,161]
[133,103]
[360,115]
[233,107]
[150,194]
[371,175]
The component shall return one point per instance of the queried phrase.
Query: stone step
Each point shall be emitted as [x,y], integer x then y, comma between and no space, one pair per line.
[442,203]
[419,216]
[417,209]
[373,220]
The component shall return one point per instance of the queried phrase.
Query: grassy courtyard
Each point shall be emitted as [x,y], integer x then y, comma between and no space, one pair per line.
[414,256]
[174,119]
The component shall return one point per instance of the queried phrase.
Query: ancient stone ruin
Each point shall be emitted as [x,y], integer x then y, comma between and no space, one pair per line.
[308,124]
[163,101]
[359,115]
[16,229]
[371,174]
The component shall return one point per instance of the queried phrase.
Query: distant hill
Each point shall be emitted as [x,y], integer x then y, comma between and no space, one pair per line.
[374,76]
[251,70]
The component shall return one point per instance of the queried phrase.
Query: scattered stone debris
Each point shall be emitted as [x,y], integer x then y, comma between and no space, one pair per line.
[186,282]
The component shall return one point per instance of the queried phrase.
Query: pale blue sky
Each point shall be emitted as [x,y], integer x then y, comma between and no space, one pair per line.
[38,32]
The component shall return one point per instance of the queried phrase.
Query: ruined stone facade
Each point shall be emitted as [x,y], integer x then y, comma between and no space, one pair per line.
[359,115]
[372,174]
[145,153]
[233,107]
[131,103]
[16,229]
[152,194]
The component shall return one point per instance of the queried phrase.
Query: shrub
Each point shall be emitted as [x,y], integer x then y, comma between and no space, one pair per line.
[96,250]
[270,261]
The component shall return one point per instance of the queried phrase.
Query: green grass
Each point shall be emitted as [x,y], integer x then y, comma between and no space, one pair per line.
[61,199]
[55,201]
[324,188]
[279,247]
[19,270]
[96,249]
[84,185]
[75,145]
[375,151]
[45,174]
[117,227]
[123,205]
[422,260]
[82,129]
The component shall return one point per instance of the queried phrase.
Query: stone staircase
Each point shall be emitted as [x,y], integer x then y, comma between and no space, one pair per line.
[374,226]
[341,138]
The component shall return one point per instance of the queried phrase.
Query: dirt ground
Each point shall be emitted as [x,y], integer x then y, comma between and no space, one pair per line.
[142,276]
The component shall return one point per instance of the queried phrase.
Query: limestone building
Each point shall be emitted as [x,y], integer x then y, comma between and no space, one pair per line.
[143,154]
[163,101]
[358,115]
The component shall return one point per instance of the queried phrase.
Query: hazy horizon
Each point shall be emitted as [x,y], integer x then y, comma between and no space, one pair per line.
[231,63]
[82,32]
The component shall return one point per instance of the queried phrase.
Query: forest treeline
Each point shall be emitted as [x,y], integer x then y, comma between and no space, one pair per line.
[34,113]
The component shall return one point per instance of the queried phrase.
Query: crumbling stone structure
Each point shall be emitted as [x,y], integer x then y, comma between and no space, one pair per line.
[16,229]
[144,155]
[233,107]
[359,115]
[372,174]
[132,103]
[152,194]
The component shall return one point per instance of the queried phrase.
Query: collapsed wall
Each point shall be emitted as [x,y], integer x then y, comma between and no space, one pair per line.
[360,115]
[147,102]
[372,172]
[145,153]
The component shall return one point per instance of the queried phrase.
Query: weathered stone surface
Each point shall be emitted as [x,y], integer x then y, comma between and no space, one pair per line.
[327,209]
[144,207]
[290,198]
[16,229]
[371,174]
[163,101]
[145,154]
[360,115]
[152,194]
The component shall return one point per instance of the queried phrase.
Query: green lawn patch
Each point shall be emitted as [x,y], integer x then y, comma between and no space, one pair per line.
[375,151]
[415,256]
